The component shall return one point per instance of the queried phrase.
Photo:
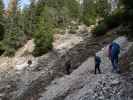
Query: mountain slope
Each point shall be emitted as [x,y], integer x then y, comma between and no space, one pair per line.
[82,84]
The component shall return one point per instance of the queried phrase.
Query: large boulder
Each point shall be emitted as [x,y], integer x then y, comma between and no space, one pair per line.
[122,41]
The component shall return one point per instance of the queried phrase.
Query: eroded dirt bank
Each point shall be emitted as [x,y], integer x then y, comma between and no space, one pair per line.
[32,81]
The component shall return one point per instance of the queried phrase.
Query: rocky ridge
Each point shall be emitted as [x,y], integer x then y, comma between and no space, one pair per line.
[82,84]
[31,82]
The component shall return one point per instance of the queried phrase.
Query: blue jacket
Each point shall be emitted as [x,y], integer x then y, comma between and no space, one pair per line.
[97,60]
[115,49]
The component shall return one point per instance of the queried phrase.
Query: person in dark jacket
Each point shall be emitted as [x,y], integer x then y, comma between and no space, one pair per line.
[68,67]
[114,51]
[97,64]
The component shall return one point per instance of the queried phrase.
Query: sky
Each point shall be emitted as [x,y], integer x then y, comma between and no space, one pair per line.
[23,2]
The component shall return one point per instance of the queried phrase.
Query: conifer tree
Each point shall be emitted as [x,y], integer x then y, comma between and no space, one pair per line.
[29,19]
[1,20]
[93,9]
[14,36]
[43,37]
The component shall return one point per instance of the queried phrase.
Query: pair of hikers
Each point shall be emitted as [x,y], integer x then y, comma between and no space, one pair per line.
[113,54]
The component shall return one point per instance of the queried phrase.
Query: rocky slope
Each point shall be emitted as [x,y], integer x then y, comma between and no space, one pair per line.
[47,78]
[82,84]
[35,82]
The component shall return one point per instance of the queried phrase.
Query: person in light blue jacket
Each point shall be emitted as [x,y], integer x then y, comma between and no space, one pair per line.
[114,51]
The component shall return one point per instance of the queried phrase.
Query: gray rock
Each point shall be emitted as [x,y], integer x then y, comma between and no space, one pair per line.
[115,82]
[49,78]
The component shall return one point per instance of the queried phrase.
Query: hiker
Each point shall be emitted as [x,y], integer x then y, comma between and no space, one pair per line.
[68,67]
[29,62]
[97,64]
[114,51]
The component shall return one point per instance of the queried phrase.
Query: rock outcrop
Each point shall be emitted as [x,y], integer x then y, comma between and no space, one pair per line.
[54,64]
[82,84]
[50,72]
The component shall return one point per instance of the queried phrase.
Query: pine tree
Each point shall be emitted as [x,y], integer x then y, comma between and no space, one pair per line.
[128,14]
[14,36]
[103,8]
[43,37]
[74,8]
[128,5]
[1,20]
[93,9]
[62,11]
[89,12]
[29,19]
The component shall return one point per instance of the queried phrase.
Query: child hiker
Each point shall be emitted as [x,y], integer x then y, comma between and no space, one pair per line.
[97,64]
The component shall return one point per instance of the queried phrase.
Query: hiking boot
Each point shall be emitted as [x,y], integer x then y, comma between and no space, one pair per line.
[118,71]
[114,71]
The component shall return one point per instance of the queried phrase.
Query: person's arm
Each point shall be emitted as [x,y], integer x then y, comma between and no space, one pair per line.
[110,47]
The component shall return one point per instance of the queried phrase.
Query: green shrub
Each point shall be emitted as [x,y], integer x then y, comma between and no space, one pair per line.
[108,23]
[43,36]
[2,31]
[99,30]
[114,20]
[12,41]
[128,14]
[1,49]
[111,22]
[10,52]
[43,42]
[89,20]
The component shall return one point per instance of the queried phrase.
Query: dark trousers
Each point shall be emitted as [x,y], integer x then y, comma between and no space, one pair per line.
[68,67]
[97,67]
[114,59]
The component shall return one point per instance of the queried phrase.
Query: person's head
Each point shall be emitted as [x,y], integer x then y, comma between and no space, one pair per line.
[29,62]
